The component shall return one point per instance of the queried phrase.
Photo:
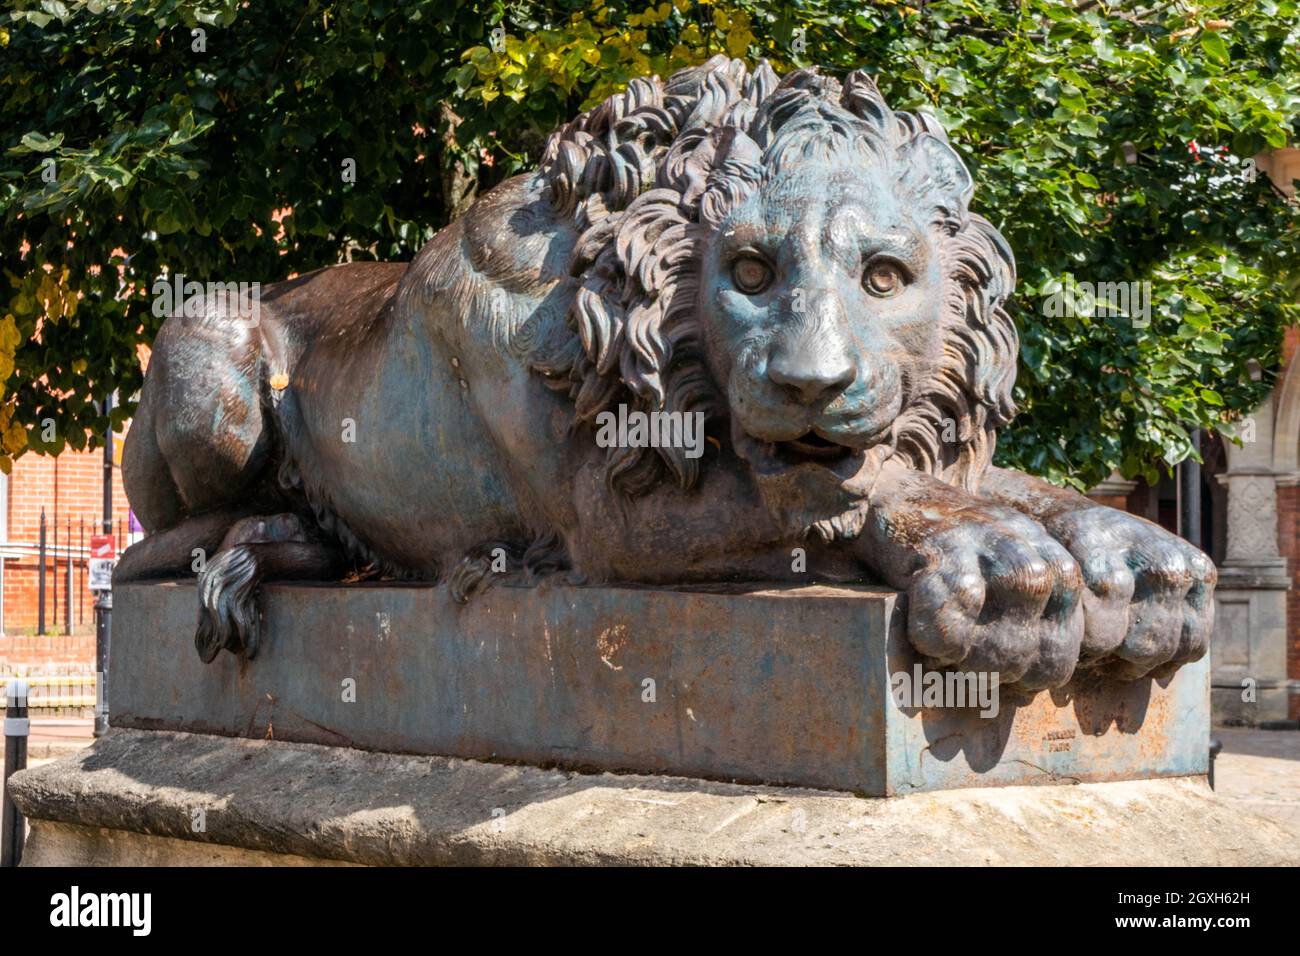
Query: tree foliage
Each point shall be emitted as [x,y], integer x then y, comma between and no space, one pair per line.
[1111,142]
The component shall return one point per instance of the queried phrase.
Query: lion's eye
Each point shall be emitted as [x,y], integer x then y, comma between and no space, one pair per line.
[751,275]
[884,279]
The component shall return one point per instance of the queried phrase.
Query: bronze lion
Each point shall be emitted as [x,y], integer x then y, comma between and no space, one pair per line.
[786,262]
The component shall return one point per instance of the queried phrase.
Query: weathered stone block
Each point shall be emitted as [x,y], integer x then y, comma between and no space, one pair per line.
[1249,676]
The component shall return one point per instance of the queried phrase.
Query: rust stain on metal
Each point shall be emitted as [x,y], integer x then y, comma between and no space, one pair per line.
[609,643]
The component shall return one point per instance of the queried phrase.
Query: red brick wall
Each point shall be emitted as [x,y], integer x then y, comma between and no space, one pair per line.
[50,659]
[28,654]
[69,486]
[1288,543]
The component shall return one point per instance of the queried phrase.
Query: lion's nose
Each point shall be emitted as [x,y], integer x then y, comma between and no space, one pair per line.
[814,376]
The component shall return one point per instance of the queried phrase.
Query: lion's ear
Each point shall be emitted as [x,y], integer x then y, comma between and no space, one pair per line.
[946,178]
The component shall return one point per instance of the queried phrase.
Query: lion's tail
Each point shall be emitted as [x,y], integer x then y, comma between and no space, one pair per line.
[228,614]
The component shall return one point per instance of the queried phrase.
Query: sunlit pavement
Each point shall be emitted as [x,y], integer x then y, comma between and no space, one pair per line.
[54,737]
[1260,770]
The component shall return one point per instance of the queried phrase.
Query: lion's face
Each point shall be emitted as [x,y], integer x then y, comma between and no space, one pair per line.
[822,300]
[794,254]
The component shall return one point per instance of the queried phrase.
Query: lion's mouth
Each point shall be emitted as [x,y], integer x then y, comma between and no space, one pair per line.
[811,447]
[774,457]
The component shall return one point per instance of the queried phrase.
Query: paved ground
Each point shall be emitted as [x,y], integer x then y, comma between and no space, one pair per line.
[53,737]
[1258,770]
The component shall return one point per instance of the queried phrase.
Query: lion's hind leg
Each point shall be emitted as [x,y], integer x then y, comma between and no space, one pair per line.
[268,547]
[178,551]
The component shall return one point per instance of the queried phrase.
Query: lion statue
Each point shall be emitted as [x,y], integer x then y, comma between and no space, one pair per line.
[780,272]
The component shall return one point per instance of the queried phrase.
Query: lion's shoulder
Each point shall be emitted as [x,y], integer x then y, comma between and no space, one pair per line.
[501,269]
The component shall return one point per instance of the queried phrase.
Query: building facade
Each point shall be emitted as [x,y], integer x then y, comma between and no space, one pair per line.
[69,490]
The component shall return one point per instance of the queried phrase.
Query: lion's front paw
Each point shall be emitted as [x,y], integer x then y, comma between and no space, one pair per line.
[1149,604]
[998,595]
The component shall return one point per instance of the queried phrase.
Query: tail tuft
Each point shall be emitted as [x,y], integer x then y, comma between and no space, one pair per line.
[228,614]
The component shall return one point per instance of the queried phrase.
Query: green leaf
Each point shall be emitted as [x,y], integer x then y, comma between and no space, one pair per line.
[1214,47]
[36,143]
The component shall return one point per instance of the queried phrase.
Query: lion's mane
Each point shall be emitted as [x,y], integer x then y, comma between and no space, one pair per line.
[650,173]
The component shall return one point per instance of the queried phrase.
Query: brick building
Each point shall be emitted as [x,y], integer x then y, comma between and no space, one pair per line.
[69,488]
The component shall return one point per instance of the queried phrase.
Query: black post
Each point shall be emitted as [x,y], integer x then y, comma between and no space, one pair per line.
[12,829]
[67,591]
[104,599]
[40,587]
[103,632]
[54,623]
[1189,495]
[108,469]
[81,572]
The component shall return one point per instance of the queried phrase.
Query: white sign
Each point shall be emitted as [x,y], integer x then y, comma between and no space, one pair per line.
[101,574]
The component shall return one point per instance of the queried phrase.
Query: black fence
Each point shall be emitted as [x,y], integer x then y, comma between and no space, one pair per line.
[62,570]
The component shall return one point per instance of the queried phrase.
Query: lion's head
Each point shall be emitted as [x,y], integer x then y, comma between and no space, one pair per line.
[789,254]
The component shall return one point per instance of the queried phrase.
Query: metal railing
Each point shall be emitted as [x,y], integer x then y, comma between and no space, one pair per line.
[61,569]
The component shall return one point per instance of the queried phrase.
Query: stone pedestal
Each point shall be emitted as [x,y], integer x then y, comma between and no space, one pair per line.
[764,685]
[164,798]
[344,741]
[1249,681]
